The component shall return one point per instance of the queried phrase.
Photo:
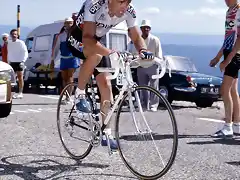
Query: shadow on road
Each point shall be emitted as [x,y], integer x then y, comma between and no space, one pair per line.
[234,163]
[218,141]
[30,166]
[159,137]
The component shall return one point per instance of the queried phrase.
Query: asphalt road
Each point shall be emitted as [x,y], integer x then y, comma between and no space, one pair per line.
[31,148]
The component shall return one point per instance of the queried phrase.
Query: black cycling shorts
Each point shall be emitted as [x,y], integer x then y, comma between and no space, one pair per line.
[234,66]
[16,66]
[74,41]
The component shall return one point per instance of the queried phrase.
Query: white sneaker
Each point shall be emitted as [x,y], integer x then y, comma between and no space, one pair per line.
[236,129]
[153,109]
[18,96]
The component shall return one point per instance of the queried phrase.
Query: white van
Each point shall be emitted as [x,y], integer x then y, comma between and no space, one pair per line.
[40,42]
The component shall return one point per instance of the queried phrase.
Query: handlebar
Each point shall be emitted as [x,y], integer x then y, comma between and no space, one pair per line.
[134,62]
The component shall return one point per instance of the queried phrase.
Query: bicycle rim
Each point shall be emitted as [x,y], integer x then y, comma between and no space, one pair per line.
[63,141]
[173,123]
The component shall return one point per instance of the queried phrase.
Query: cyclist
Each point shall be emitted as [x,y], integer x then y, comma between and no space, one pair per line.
[95,19]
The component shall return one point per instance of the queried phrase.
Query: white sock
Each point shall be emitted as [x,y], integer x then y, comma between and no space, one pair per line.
[107,131]
[236,124]
[79,91]
[227,128]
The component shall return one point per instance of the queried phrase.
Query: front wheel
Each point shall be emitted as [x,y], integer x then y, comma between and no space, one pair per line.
[147,137]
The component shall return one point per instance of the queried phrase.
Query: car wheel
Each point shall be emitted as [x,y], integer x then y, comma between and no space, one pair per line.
[203,103]
[5,109]
[164,91]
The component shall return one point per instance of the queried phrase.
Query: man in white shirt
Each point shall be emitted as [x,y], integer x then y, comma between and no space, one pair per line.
[144,74]
[17,55]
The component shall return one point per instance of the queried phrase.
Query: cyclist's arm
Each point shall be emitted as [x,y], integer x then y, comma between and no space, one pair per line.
[133,32]
[91,45]
[220,53]
[136,38]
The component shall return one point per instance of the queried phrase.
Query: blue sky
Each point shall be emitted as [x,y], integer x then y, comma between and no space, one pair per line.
[186,16]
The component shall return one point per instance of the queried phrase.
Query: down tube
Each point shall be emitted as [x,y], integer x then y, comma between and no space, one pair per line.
[124,89]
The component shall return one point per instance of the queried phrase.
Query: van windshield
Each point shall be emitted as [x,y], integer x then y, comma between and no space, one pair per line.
[29,43]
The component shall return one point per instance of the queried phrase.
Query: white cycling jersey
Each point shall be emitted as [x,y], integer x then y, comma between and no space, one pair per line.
[97,11]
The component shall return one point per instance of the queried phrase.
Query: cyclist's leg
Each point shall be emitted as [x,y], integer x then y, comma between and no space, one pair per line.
[105,89]
[86,69]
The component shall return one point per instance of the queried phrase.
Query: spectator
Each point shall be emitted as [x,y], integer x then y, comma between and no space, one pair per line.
[68,63]
[4,47]
[17,55]
[144,74]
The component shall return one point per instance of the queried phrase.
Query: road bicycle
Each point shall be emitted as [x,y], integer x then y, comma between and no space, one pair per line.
[130,93]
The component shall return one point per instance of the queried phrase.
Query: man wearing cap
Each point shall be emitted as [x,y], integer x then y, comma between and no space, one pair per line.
[144,74]
[68,63]
[4,47]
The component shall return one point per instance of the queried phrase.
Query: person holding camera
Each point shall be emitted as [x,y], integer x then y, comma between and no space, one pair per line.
[17,55]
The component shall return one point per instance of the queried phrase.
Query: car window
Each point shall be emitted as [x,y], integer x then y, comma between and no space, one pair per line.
[178,63]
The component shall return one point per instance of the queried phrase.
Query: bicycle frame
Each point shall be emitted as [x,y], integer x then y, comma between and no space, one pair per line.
[124,66]
[128,84]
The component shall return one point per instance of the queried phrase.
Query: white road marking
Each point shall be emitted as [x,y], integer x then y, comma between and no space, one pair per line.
[11,112]
[33,110]
[49,97]
[20,111]
[211,120]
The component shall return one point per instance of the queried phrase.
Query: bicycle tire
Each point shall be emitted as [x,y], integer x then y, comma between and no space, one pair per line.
[175,135]
[88,150]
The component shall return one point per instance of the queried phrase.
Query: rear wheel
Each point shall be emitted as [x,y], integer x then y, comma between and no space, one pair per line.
[137,127]
[74,123]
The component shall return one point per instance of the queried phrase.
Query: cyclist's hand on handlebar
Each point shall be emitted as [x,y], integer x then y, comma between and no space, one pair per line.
[145,54]
[114,56]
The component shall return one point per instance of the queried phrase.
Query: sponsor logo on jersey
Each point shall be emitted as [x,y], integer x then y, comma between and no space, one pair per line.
[132,11]
[79,20]
[96,6]
[77,45]
[229,24]
[106,26]
[102,17]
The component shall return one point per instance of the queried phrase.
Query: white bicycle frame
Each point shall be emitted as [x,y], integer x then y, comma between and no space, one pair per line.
[125,68]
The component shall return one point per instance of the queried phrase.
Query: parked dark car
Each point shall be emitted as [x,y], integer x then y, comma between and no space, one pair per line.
[187,84]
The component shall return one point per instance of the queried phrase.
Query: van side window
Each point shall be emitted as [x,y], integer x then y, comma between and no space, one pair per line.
[29,43]
[118,41]
[42,43]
